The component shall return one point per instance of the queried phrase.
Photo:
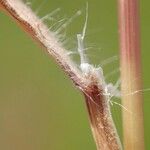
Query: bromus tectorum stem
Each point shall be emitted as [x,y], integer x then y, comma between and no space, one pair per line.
[88,79]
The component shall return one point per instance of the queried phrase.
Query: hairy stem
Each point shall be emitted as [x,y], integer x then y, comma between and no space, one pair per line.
[103,129]
[131,74]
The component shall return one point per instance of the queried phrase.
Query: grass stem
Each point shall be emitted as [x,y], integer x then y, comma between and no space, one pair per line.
[130,60]
[101,122]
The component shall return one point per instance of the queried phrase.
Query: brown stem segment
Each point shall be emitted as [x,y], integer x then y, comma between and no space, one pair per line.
[102,126]
[131,74]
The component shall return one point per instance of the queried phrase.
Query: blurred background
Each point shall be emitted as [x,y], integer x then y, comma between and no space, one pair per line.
[40,109]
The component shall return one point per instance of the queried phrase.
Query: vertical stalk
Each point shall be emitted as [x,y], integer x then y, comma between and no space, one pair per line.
[131,74]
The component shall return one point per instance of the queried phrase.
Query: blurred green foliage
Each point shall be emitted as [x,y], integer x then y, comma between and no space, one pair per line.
[40,109]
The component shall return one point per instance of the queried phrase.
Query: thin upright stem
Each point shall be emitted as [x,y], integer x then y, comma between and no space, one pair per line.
[131,74]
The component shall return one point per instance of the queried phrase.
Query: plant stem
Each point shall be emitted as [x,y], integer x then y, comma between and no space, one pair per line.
[103,129]
[131,74]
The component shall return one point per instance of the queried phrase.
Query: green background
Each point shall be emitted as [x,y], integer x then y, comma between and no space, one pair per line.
[39,107]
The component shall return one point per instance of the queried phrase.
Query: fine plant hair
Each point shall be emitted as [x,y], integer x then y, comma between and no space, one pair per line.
[87,78]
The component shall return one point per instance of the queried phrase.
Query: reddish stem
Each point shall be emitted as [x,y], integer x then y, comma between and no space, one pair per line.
[131,74]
